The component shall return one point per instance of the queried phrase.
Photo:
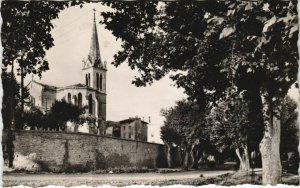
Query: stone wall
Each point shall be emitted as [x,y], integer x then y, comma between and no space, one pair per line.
[59,151]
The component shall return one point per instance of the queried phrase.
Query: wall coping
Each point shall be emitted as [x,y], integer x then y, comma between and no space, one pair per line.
[80,133]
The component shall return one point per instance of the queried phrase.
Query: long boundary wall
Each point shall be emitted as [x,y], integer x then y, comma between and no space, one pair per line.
[60,151]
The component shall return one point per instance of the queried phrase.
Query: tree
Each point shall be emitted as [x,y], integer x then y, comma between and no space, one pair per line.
[116,128]
[232,129]
[11,89]
[217,45]
[33,119]
[11,97]
[61,112]
[162,42]
[289,127]
[171,139]
[25,38]
[182,128]
[26,35]
[265,64]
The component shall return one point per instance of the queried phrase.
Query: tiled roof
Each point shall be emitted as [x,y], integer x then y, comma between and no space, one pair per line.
[46,86]
[129,120]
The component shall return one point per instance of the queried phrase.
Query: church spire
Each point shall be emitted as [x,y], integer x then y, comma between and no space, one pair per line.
[94,53]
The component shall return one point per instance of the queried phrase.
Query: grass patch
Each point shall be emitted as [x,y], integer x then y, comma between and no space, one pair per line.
[240,178]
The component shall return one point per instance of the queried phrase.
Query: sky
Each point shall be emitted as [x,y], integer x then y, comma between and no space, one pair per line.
[72,33]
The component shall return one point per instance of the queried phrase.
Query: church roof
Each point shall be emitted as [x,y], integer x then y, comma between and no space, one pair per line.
[46,86]
[78,86]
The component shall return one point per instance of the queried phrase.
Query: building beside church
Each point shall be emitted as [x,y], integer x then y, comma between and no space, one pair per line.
[134,129]
[91,92]
[131,128]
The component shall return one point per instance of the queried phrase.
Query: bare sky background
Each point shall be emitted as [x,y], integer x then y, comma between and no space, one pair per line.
[71,33]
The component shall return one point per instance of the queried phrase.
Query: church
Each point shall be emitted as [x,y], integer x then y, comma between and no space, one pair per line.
[91,92]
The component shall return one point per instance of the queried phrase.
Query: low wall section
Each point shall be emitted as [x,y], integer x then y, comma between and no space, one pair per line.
[59,151]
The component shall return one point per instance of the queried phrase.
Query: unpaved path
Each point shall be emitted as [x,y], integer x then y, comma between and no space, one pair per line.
[39,180]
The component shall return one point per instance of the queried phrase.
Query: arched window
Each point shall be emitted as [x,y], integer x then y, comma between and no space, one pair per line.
[69,97]
[75,100]
[90,104]
[89,78]
[97,81]
[101,82]
[99,109]
[80,100]
[86,80]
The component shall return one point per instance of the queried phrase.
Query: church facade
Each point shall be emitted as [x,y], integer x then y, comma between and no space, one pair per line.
[90,93]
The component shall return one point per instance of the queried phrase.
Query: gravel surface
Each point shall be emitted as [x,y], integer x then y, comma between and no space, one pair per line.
[39,180]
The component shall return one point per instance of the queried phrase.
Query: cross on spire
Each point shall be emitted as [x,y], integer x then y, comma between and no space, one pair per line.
[94,14]
[94,53]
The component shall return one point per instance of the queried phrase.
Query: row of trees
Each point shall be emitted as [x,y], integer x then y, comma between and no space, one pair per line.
[212,49]
[227,128]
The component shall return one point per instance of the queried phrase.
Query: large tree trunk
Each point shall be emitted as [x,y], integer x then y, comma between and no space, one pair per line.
[185,164]
[191,156]
[246,157]
[269,147]
[169,159]
[185,161]
[242,164]
[243,158]
[21,64]
[197,156]
[10,144]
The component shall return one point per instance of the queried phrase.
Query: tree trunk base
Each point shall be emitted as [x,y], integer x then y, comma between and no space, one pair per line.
[269,148]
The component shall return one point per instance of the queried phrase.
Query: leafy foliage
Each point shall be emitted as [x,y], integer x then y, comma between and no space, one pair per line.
[212,48]
[61,112]
[232,127]
[25,36]
[9,86]
[289,126]
[184,127]
[116,126]
[11,90]
[184,122]
[215,44]
[33,118]
[161,43]
[26,32]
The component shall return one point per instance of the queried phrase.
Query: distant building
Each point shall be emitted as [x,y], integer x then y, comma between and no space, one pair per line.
[134,129]
[112,129]
[91,92]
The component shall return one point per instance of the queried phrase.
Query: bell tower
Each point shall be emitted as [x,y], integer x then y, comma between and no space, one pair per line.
[94,71]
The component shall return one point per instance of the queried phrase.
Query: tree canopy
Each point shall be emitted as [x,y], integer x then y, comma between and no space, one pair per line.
[289,123]
[212,48]
[213,43]
[11,88]
[61,112]
[184,127]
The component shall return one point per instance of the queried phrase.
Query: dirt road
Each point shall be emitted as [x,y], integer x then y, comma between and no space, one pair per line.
[38,180]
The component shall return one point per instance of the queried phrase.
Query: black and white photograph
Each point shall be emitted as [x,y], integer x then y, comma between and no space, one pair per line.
[153,93]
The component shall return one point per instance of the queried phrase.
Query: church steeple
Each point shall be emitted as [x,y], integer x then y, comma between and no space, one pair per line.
[94,58]
[94,70]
